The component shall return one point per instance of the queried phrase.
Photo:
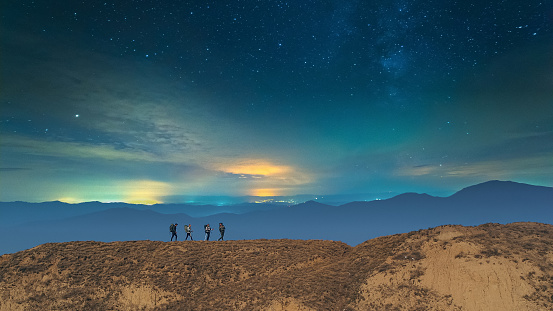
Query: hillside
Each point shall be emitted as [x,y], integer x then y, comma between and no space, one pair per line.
[489,267]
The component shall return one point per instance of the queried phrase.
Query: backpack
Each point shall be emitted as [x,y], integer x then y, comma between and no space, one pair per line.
[172,228]
[186,228]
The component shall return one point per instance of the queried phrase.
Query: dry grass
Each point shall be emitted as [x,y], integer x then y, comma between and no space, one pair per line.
[269,274]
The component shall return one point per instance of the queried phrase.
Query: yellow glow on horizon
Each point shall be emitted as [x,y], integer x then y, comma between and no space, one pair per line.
[257,168]
[145,191]
[69,200]
[263,177]
[265,192]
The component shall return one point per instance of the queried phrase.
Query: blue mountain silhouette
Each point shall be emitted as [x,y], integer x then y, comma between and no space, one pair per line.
[352,223]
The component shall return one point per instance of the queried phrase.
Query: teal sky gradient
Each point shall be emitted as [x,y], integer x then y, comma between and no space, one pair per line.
[147,102]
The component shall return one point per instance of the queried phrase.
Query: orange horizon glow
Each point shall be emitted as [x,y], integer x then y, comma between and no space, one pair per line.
[261,168]
[265,192]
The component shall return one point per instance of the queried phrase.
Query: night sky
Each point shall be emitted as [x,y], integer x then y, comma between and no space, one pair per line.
[163,101]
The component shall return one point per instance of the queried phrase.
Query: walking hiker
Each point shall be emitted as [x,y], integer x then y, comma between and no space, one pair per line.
[173,230]
[221,231]
[188,230]
[207,232]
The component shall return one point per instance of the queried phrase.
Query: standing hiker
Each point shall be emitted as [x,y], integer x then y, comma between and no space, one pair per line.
[173,230]
[221,231]
[207,232]
[188,230]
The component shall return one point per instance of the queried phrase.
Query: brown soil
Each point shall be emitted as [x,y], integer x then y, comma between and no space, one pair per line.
[489,267]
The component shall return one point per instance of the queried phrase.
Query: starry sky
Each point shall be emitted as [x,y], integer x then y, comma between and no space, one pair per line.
[145,101]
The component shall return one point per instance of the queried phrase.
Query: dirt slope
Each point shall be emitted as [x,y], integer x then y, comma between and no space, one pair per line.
[489,267]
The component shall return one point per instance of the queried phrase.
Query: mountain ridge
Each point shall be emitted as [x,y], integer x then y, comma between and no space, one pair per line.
[351,223]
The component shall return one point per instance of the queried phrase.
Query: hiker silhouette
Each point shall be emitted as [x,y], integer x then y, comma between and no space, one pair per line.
[173,230]
[221,231]
[207,232]
[188,229]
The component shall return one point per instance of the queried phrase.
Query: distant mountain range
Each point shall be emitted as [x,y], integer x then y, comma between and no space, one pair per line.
[25,212]
[25,225]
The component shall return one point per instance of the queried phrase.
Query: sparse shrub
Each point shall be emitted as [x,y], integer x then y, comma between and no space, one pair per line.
[415,274]
[461,255]
[490,252]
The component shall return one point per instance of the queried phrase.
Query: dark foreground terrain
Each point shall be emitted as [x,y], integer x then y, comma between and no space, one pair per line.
[489,267]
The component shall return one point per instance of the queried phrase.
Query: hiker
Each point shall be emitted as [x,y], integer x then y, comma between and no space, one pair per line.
[207,232]
[188,230]
[221,231]
[173,230]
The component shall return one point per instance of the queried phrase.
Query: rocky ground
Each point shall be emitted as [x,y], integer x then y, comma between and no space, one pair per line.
[489,267]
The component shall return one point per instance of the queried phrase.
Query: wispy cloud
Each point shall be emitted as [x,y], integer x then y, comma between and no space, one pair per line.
[484,170]
[25,145]
[414,171]
[126,104]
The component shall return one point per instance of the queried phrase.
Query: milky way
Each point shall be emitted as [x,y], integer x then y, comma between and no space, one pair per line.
[142,101]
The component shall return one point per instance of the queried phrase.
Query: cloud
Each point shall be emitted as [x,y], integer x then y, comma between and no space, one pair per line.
[419,170]
[253,176]
[257,167]
[17,144]
[508,169]
[505,169]
[120,102]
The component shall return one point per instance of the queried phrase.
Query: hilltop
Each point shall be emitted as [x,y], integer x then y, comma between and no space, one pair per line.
[488,267]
